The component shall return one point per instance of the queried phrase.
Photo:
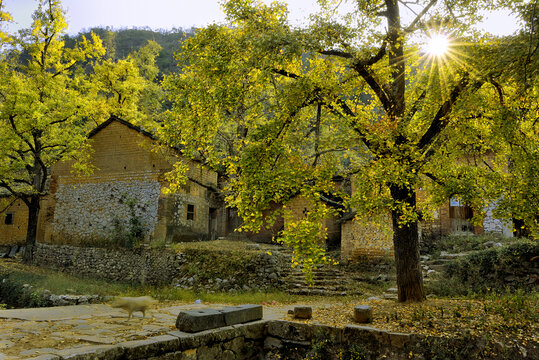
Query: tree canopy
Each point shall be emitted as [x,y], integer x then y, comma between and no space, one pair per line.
[282,110]
[52,94]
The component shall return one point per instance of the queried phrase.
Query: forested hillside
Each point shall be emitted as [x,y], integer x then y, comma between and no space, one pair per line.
[119,43]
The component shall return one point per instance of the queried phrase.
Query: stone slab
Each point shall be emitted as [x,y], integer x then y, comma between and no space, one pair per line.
[91,352]
[45,357]
[13,251]
[199,320]
[242,314]
[154,346]
[60,312]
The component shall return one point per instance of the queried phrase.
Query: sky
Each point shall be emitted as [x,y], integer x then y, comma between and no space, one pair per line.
[168,14]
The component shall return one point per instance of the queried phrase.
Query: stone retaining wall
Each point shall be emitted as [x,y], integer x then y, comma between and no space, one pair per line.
[144,266]
[256,272]
[280,339]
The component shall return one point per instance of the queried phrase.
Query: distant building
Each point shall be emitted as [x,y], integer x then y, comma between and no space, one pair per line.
[126,183]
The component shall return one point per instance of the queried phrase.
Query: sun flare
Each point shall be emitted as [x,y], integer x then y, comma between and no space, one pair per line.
[437,45]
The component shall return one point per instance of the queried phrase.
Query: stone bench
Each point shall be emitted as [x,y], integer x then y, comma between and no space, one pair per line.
[205,319]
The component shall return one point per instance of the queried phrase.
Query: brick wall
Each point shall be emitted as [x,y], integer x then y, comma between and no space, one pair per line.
[363,238]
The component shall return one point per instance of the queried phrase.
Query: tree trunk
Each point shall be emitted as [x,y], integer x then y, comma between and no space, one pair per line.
[31,232]
[406,247]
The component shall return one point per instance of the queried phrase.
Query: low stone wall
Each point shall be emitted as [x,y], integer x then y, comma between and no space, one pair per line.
[291,340]
[144,266]
[256,272]
[279,339]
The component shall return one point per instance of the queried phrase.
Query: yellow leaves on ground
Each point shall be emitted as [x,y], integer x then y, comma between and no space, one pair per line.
[503,318]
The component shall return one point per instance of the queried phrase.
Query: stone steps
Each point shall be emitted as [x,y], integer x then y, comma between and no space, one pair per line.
[322,282]
[326,282]
[318,292]
[439,264]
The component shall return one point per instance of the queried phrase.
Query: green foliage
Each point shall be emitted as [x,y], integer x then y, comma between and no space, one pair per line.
[460,243]
[354,352]
[122,42]
[14,292]
[281,111]
[44,102]
[128,235]
[489,270]
[446,348]
[128,88]
[211,264]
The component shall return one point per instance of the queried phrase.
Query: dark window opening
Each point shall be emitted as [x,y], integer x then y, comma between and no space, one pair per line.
[190,212]
[8,219]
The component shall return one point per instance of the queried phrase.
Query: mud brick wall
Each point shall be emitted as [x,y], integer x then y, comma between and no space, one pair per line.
[128,175]
[361,238]
[14,231]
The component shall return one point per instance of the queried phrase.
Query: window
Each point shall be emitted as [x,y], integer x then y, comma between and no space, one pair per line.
[190,212]
[9,219]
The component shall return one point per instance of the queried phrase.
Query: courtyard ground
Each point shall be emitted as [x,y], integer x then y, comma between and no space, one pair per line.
[27,333]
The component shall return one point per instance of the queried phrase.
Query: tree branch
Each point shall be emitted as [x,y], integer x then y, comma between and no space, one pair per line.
[373,84]
[439,122]
[338,53]
[498,89]
[19,134]
[415,106]
[17,194]
[286,73]
[418,18]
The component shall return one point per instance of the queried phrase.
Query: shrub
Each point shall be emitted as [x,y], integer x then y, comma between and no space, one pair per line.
[490,270]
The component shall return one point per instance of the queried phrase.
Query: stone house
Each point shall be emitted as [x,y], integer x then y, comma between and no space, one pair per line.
[124,188]
[361,238]
[13,220]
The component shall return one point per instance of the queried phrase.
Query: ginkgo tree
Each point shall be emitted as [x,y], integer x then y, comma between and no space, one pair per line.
[282,110]
[44,101]
[128,88]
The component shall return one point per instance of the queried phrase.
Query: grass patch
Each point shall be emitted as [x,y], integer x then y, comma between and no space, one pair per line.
[466,243]
[57,282]
[251,297]
[220,245]
[60,283]
[490,270]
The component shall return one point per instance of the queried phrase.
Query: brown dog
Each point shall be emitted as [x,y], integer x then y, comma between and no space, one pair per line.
[132,304]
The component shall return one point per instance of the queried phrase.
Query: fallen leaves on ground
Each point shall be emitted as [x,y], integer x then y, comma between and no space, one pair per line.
[497,319]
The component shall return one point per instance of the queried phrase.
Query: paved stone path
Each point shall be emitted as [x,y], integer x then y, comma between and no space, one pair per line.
[38,333]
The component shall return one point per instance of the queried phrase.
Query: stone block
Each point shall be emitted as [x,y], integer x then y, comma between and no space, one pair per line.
[199,320]
[271,343]
[187,341]
[223,334]
[91,352]
[154,346]
[400,340]
[363,314]
[370,338]
[44,357]
[289,330]
[242,314]
[209,352]
[255,330]
[326,332]
[13,251]
[303,312]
